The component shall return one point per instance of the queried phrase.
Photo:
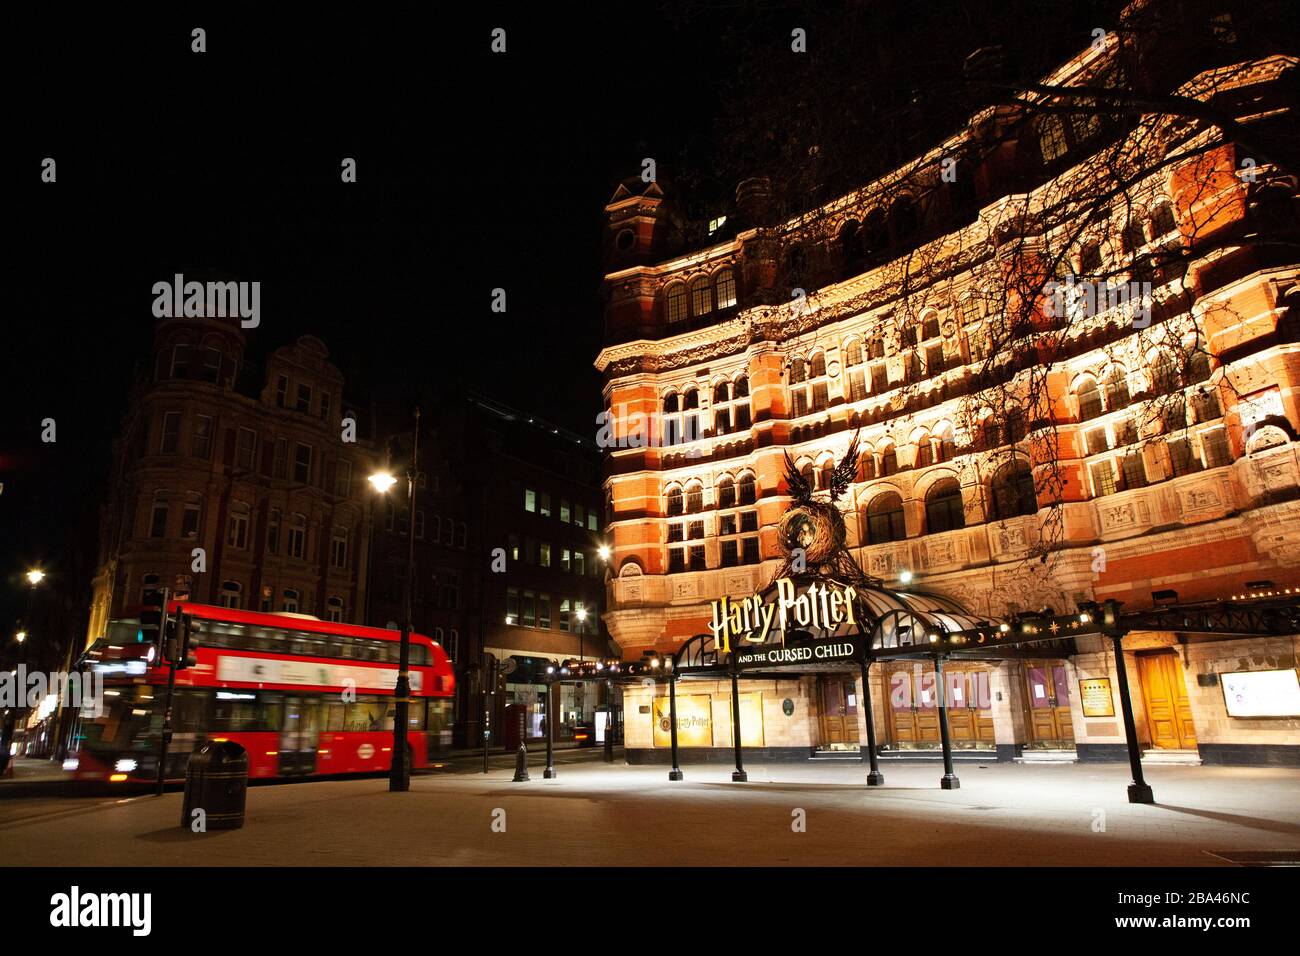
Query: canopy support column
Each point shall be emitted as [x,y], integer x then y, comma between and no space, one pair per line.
[738,775]
[875,778]
[949,780]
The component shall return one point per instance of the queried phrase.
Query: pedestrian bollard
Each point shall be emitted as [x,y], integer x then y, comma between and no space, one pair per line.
[521,764]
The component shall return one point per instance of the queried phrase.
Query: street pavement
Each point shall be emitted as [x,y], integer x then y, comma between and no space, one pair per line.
[613,814]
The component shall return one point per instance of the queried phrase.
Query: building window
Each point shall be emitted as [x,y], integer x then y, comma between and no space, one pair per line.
[343,478]
[280,461]
[1012,492]
[170,433]
[1103,478]
[190,517]
[334,610]
[273,533]
[1117,395]
[680,417]
[529,609]
[748,490]
[325,406]
[701,296]
[544,554]
[245,449]
[1089,400]
[1051,137]
[203,437]
[676,302]
[544,611]
[339,548]
[231,594]
[297,536]
[303,404]
[544,504]
[267,603]
[237,535]
[944,510]
[725,287]
[565,614]
[1214,446]
[290,600]
[731,406]
[158,517]
[302,463]
[530,500]
[512,606]
[566,513]
[885,519]
[674,502]
[578,562]
[1131,466]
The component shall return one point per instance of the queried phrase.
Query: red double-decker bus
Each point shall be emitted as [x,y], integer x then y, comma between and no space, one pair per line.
[302,696]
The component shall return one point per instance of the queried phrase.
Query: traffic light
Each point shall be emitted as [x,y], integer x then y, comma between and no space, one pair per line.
[190,634]
[153,610]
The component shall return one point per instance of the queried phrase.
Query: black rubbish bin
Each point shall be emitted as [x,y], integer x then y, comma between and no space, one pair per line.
[216,782]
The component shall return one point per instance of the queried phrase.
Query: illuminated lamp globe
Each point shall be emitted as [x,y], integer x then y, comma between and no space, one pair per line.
[382,480]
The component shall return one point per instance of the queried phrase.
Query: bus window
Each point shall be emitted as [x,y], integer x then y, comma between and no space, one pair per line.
[235,710]
[368,713]
[415,715]
[334,715]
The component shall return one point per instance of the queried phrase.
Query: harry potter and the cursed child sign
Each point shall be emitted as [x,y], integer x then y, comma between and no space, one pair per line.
[812,623]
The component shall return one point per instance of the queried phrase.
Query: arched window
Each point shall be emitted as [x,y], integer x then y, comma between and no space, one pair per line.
[1162,219]
[694,498]
[810,388]
[809,474]
[674,501]
[701,296]
[726,493]
[824,476]
[748,490]
[902,218]
[1134,235]
[1012,492]
[852,252]
[924,452]
[947,447]
[1164,373]
[731,406]
[888,461]
[944,510]
[334,609]
[724,286]
[866,464]
[680,420]
[231,594]
[1051,137]
[1089,399]
[852,353]
[1117,395]
[1198,367]
[885,519]
[677,302]
[291,598]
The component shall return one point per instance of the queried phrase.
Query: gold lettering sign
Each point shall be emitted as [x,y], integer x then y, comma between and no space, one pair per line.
[825,605]
[1094,694]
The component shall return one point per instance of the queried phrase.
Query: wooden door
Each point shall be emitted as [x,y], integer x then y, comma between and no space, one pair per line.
[838,699]
[1169,713]
[1048,697]
[913,717]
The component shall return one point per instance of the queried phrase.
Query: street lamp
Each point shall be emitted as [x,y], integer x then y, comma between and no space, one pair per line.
[603,551]
[35,576]
[20,636]
[399,775]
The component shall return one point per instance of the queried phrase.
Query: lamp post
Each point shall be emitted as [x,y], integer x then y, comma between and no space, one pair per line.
[581,614]
[34,577]
[399,776]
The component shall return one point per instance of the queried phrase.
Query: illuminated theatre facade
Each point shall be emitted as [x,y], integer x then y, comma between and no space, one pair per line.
[714,375]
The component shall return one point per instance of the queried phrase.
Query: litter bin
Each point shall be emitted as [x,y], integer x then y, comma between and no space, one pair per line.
[216,782]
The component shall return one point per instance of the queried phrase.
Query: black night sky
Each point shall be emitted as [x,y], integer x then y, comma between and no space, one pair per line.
[475,171]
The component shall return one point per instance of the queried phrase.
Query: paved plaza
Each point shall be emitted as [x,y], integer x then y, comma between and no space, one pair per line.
[599,814]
